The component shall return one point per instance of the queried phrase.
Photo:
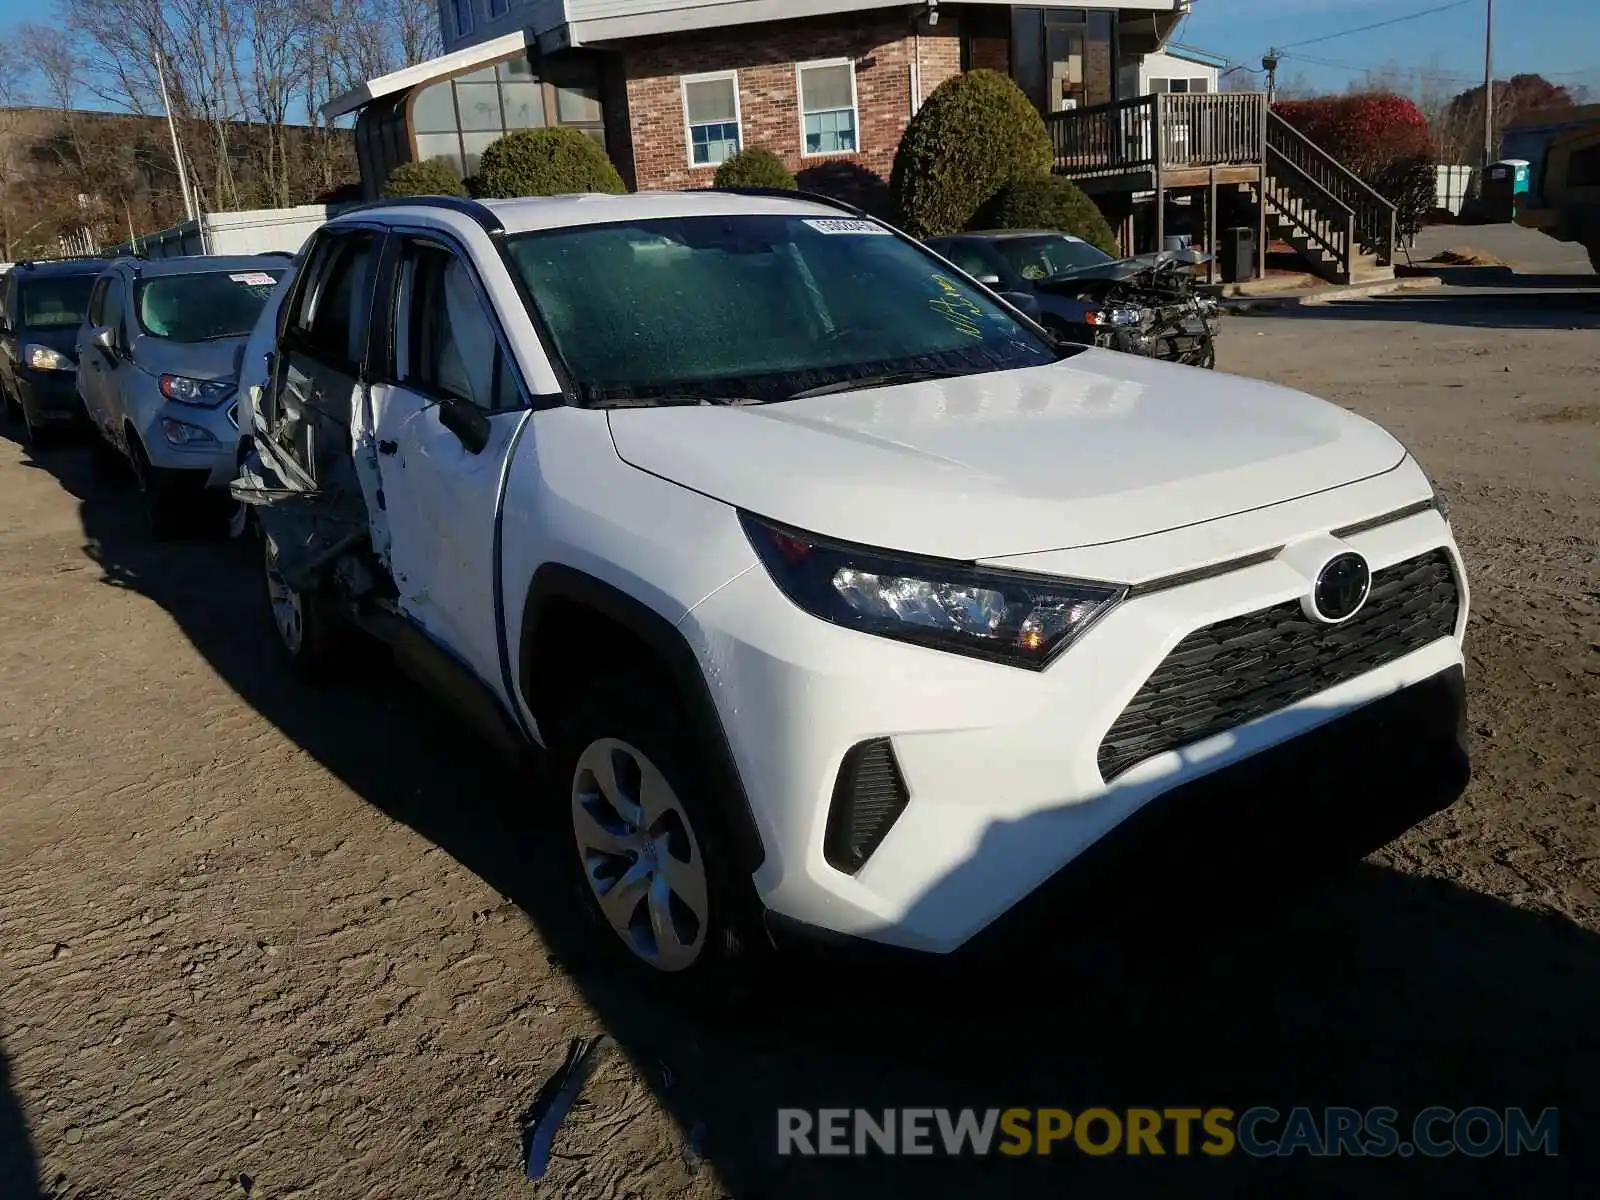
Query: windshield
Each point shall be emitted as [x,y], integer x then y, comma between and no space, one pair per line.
[1046,257]
[202,308]
[757,307]
[56,303]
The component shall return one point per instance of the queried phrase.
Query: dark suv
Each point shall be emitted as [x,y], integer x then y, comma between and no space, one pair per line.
[41,307]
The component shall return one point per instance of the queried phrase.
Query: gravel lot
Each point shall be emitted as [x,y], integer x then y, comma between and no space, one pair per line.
[258,940]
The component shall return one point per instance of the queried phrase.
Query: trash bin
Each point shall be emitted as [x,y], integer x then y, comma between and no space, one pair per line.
[1238,254]
[1503,183]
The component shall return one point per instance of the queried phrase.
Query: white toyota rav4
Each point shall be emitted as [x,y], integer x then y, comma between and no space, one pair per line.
[842,598]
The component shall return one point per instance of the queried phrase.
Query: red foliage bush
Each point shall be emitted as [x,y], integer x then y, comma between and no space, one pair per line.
[1382,137]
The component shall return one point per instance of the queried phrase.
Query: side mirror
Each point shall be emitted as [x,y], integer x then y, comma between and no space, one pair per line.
[105,341]
[989,280]
[1024,302]
[467,421]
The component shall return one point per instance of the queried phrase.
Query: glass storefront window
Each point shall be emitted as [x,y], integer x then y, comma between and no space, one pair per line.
[524,104]
[444,147]
[578,105]
[434,110]
[479,104]
[475,144]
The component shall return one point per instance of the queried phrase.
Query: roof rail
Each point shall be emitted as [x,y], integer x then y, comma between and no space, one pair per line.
[789,194]
[481,213]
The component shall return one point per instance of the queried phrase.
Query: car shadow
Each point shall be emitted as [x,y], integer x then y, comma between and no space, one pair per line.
[1371,987]
[1474,309]
[19,1168]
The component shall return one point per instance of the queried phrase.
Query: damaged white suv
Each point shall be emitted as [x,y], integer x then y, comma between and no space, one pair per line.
[843,599]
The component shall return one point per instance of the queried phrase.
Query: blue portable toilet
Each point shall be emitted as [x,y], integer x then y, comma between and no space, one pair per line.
[1504,183]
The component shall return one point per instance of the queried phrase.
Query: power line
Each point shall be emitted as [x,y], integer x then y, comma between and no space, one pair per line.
[1427,12]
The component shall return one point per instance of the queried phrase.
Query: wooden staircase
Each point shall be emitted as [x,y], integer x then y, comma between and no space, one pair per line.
[1345,231]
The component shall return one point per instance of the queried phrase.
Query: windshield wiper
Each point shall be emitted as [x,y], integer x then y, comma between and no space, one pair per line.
[863,382]
[679,401]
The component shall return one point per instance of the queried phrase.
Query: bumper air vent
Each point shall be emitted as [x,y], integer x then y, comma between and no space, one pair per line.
[868,798]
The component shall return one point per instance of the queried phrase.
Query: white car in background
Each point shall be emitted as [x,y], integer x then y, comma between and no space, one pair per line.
[843,599]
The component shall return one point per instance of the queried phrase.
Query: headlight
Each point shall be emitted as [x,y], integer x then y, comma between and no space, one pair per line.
[1119,317]
[42,358]
[205,393]
[1021,620]
[182,434]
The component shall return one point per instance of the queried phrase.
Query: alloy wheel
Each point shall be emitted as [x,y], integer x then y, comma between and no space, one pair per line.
[639,854]
[288,611]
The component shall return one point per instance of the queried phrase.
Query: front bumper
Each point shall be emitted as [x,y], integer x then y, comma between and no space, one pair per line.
[50,396]
[1000,764]
[217,461]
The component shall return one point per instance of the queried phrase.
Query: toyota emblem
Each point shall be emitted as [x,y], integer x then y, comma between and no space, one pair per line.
[1342,588]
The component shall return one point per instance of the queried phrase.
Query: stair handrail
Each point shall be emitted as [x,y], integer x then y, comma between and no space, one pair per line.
[1105,129]
[1341,217]
[1376,213]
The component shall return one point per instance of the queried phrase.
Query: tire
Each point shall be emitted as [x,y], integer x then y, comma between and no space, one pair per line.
[35,437]
[166,513]
[109,465]
[635,795]
[309,632]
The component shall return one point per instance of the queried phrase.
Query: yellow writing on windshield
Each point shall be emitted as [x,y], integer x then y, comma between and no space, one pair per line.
[960,310]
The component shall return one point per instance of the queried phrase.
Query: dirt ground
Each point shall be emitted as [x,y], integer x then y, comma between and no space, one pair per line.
[262,941]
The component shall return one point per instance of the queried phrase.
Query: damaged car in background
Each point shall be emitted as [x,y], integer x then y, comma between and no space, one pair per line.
[1151,304]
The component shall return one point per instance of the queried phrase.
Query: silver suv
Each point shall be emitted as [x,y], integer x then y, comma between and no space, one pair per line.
[159,362]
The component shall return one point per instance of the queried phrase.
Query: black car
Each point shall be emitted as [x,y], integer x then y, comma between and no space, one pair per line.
[41,307]
[1148,305]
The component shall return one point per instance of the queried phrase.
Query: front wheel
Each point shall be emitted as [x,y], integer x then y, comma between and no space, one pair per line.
[308,629]
[651,856]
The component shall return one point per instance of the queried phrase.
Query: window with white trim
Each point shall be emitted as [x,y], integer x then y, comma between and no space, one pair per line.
[828,115]
[711,112]
[1198,83]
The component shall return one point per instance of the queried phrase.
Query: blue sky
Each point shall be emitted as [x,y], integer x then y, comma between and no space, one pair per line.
[1549,37]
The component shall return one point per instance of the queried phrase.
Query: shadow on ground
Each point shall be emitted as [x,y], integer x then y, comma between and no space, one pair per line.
[1526,307]
[1370,988]
[19,1173]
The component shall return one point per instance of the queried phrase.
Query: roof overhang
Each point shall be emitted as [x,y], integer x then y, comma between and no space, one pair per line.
[426,72]
[685,18]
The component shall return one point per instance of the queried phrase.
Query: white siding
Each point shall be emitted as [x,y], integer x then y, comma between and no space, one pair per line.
[1169,66]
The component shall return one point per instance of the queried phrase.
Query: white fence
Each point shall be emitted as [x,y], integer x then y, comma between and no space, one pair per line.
[1456,186]
[259,231]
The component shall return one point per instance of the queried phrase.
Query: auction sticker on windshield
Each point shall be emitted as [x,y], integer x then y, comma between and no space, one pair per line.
[844,225]
[254,279]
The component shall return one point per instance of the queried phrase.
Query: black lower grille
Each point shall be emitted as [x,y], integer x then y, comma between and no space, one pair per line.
[868,798]
[1235,671]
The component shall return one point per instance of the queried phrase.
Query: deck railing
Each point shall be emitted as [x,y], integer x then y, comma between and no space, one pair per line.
[1163,132]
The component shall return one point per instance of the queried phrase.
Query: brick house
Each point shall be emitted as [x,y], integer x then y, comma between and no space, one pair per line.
[673,87]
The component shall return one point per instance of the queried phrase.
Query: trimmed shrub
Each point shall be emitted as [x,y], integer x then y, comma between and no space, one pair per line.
[972,137]
[755,167]
[1049,202]
[546,162]
[431,178]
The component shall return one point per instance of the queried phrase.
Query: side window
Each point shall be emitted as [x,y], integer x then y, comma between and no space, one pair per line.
[445,342]
[331,320]
[97,304]
[111,311]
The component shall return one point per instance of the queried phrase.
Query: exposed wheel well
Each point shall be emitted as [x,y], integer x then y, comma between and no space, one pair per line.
[575,627]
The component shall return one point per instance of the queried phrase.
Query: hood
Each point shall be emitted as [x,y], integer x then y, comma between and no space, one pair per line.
[1122,269]
[198,360]
[1099,448]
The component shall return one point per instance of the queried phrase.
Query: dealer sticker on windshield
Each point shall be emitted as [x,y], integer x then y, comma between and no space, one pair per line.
[254,279]
[845,225]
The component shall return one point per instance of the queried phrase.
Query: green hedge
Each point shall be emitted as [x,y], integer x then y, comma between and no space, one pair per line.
[545,162]
[1049,202]
[431,178]
[972,137]
[755,167]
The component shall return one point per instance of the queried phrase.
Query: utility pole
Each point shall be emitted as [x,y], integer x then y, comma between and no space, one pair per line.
[1269,64]
[1488,90]
[177,149]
